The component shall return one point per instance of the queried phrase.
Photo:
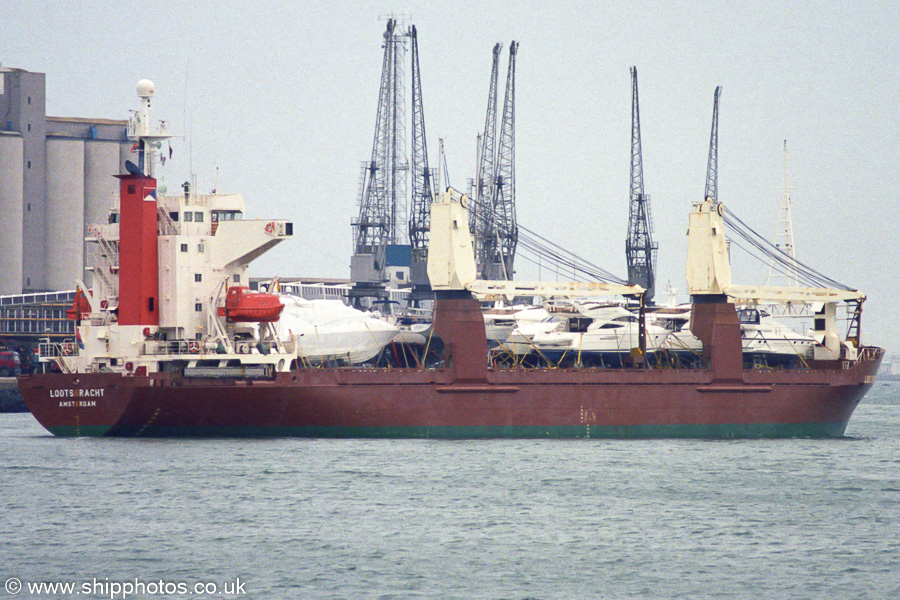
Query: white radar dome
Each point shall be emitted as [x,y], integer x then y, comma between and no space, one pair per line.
[145,88]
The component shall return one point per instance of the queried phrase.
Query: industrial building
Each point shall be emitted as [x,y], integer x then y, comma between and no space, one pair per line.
[55,177]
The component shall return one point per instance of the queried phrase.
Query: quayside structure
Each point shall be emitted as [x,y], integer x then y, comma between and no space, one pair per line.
[640,249]
[390,241]
[493,216]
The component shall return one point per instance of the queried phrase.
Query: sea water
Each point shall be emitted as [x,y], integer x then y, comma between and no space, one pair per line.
[360,519]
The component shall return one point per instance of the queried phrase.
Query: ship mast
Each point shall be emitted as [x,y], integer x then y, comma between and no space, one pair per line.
[140,130]
[784,239]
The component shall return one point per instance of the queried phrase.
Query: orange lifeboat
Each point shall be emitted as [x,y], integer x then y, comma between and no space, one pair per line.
[243,305]
[80,306]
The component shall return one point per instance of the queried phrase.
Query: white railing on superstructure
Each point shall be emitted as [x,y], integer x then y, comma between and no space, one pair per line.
[202,350]
[37,298]
[316,291]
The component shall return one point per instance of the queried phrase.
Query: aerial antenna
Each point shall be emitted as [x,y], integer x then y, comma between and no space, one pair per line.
[189,124]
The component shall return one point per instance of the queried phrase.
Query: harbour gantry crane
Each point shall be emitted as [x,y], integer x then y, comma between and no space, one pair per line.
[640,249]
[383,183]
[422,186]
[496,229]
[504,199]
[480,218]
[712,164]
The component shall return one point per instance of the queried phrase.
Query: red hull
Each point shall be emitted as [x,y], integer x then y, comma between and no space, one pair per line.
[418,403]
[466,399]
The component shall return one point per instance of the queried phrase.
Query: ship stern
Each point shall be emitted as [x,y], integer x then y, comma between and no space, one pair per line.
[78,404]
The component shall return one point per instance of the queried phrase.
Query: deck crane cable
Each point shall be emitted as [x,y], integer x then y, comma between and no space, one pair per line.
[804,272]
[756,256]
[770,252]
[548,252]
[573,261]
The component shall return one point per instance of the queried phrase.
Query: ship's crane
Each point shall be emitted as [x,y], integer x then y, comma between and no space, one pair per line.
[640,249]
[443,177]
[709,269]
[422,186]
[382,190]
[494,218]
[712,164]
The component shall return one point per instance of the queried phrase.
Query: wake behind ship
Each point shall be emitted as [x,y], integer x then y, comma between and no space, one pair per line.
[171,342]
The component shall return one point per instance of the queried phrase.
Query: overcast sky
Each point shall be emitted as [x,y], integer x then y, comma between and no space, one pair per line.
[281,98]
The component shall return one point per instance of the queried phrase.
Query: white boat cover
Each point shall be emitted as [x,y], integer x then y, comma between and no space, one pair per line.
[329,329]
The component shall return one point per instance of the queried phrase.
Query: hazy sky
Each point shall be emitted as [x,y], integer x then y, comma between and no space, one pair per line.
[281,97]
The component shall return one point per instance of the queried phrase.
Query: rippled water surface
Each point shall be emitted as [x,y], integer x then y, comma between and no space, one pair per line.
[510,519]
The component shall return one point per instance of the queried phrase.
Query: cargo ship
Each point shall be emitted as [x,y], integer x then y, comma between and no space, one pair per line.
[171,343]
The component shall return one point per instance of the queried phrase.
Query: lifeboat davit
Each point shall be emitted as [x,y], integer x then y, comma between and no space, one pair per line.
[243,305]
[80,306]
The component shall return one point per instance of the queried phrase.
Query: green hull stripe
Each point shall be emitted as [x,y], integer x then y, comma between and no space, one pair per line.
[723,431]
[83,431]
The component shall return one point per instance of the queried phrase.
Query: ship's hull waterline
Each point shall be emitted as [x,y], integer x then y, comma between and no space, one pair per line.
[467,399]
[423,404]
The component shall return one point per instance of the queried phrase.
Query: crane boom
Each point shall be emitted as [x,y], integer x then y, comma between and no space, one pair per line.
[712,164]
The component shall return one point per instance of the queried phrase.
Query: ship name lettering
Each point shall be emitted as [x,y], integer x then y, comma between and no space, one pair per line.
[91,393]
[62,393]
[66,403]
